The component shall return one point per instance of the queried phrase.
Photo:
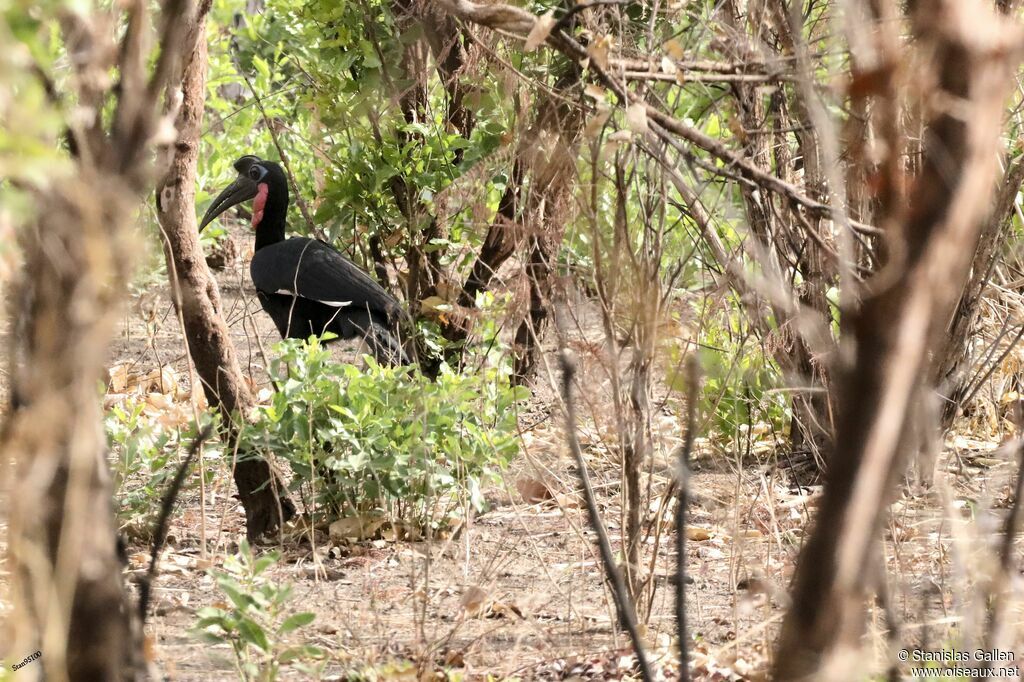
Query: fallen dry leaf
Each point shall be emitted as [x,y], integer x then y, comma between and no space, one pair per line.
[500,609]
[454,659]
[540,31]
[569,501]
[533,490]
[434,304]
[355,527]
[698,534]
[118,379]
[474,600]
[400,530]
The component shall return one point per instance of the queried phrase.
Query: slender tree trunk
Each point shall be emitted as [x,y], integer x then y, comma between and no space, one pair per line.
[69,598]
[774,224]
[532,220]
[450,48]
[951,365]
[540,261]
[898,324]
[198,300]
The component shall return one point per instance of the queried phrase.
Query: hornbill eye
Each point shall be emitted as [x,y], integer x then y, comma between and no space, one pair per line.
[256,172]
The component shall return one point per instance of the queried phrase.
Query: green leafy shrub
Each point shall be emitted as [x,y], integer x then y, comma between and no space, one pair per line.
[385,438]
[740,381]
[144,456]
[256,622]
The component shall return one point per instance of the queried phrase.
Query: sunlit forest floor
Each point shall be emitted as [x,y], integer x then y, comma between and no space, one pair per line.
[518,591]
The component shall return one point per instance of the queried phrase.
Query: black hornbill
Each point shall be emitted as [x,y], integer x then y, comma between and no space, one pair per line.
[305,285]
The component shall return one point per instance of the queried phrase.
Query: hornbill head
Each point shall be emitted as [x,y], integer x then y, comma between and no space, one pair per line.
[263,180]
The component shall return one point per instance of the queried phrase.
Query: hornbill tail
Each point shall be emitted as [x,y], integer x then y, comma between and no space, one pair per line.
[383,345]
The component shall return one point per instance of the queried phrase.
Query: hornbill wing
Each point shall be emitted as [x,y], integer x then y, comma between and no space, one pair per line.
[313,270]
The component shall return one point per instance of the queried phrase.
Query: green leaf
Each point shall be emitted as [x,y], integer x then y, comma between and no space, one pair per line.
[253,634]
[370,59]
[264,562]
[241,600]
[300,652]
[204,623]
[296,621]
[210,637]
[262,67]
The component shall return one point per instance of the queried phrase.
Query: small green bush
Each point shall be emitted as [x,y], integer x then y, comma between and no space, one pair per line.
[385,438]
[144,457]
[141,465]
[256,622]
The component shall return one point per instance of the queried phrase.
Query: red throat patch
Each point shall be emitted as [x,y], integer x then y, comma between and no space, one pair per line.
[258,204]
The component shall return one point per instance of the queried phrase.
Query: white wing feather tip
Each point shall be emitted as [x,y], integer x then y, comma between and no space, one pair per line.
[333,304]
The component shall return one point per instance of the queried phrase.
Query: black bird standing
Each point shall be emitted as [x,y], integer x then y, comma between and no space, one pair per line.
[305,285]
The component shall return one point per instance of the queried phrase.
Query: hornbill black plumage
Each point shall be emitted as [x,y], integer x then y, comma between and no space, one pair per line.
[305,285]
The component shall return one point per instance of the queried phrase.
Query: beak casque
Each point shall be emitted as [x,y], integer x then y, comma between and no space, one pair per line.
[242,189]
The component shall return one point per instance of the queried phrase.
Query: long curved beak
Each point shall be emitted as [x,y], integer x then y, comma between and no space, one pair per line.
[242,189]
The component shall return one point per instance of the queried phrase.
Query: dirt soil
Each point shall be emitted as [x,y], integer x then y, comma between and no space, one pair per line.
[518,591]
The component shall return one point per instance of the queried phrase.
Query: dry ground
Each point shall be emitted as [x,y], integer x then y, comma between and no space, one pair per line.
[518,590]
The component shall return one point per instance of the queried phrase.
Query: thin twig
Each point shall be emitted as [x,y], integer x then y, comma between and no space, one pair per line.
[995,365]
[563,21]
[166,506]
[691,77]
[692,384]
[299,201]
[1002,579]
[623,603]
[519,21]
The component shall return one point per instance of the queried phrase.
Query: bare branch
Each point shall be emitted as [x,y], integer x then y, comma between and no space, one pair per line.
[973,53]
[683,474]
[623,604]
[519,21]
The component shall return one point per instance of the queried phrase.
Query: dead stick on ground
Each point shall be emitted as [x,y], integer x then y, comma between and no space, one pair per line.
[623,603]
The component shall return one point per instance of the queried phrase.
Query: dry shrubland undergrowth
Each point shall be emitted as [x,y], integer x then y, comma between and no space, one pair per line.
[757,261]
[518,590]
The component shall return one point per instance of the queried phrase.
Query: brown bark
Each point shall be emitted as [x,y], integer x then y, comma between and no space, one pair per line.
[949,369]
[424,264]
[68,593]
[441,38]
[63,535]
[553,177]
[628,287]
[543,249]
[451,51]
[531,221]
[197,298]
[673,130]
[812,425]
[973,55]
[499,243]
